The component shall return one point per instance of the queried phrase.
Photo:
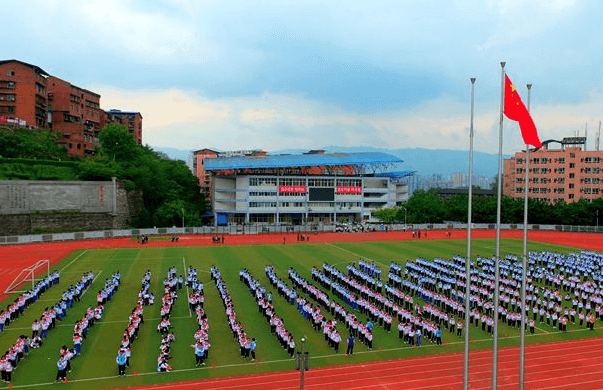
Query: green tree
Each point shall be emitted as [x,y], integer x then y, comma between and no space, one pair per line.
[118,143]
[386,215]
[425,207]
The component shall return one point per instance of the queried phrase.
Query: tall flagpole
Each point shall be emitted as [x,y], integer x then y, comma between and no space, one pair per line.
[522,333]
[497,254]
[468,260]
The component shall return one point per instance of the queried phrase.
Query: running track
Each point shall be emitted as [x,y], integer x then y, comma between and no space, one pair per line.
[548,366]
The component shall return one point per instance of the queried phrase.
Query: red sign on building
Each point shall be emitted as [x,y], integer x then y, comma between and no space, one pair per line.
[349,190]
[292,189]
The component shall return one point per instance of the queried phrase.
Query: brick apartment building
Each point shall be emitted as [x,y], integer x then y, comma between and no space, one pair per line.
[32,98]
[132,120]
[566,174]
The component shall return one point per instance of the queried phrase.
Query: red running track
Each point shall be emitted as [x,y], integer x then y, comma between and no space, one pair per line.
[548,366]
[561,365]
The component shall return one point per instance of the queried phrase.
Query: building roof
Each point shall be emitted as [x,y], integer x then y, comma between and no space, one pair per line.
[34,67]
[299,160]
[119,112]
[396,173]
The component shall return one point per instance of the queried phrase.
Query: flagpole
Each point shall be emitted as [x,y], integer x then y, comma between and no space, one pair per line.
[468,260]
[497,254]
[522,334]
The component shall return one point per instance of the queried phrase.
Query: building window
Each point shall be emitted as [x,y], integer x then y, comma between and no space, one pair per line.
[572,155]
[10,73]
[571,186]
[572,175]
[572,165]
[571,196]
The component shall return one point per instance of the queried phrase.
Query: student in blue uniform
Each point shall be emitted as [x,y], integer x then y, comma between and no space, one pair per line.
[121,362]
[350,345]
[252,349]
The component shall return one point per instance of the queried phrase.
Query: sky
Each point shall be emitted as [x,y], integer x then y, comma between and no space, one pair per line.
[273,75]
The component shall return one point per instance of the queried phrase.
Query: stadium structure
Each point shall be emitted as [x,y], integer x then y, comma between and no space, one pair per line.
[295,189]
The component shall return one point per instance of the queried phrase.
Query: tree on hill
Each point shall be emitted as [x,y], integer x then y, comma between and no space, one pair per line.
[31,144]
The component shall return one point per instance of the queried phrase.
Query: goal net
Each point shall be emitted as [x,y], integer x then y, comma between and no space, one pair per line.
[28,275]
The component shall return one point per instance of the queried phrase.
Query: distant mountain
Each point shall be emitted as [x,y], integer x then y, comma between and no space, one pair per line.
[425,162]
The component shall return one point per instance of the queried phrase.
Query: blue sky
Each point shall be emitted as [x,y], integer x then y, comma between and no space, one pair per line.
[309,74]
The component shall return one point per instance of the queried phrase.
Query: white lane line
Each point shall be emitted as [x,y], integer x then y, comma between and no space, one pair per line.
[72,261]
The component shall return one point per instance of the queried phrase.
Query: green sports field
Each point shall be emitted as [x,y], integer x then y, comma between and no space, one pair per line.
[96,367]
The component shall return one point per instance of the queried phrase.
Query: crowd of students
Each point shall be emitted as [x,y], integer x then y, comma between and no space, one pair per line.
[81,327]
[314,314]
[196,301]
[20,349]
[170,286]
[246,343]
[23,301]
[375,306]
[264,302]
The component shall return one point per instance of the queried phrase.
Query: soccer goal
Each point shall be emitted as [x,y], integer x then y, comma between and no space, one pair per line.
[28,275]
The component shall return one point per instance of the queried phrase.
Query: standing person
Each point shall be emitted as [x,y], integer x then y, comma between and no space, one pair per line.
[61,369]
[438,335]
[121,362]
[252,348]
[350,345]
[418,337]
[199,352]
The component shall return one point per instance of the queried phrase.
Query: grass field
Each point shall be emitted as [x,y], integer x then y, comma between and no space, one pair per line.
[96,367]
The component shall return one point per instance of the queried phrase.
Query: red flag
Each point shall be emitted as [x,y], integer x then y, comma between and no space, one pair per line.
[517,111]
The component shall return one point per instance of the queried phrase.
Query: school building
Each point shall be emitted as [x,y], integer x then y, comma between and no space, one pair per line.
[568,173]
[314,187]
[32,98]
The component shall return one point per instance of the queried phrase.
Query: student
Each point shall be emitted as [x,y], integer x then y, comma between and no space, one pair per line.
[199,352]
[252,348]
[350,345]
[121,360]
[438,335]
[418,332]
[61,369]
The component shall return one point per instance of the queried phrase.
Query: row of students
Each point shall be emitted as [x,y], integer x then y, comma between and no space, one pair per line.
[24,300]
[201,336]
[40,328]
[196,300]
[246,343]
[135,319]
[264,302]
[81,327]
[170,284]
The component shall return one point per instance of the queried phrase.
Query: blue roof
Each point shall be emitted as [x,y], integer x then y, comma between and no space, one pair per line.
[396,173]
[298,160]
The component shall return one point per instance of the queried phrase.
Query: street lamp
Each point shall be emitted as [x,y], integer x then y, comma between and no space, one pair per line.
[182,217]
[597,218]
[404,217]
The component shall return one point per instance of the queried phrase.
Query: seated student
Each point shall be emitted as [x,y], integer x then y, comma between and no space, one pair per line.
[36,342]
[162,366]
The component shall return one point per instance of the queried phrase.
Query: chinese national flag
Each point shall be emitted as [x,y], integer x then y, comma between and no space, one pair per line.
[517,111]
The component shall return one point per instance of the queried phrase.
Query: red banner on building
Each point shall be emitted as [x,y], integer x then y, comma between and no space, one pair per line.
[349,190]
[292,189]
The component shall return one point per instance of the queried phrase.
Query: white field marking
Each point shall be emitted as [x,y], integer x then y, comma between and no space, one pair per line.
[187,293]
[285,360]
[72,261]
[85,291]
[356,254]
